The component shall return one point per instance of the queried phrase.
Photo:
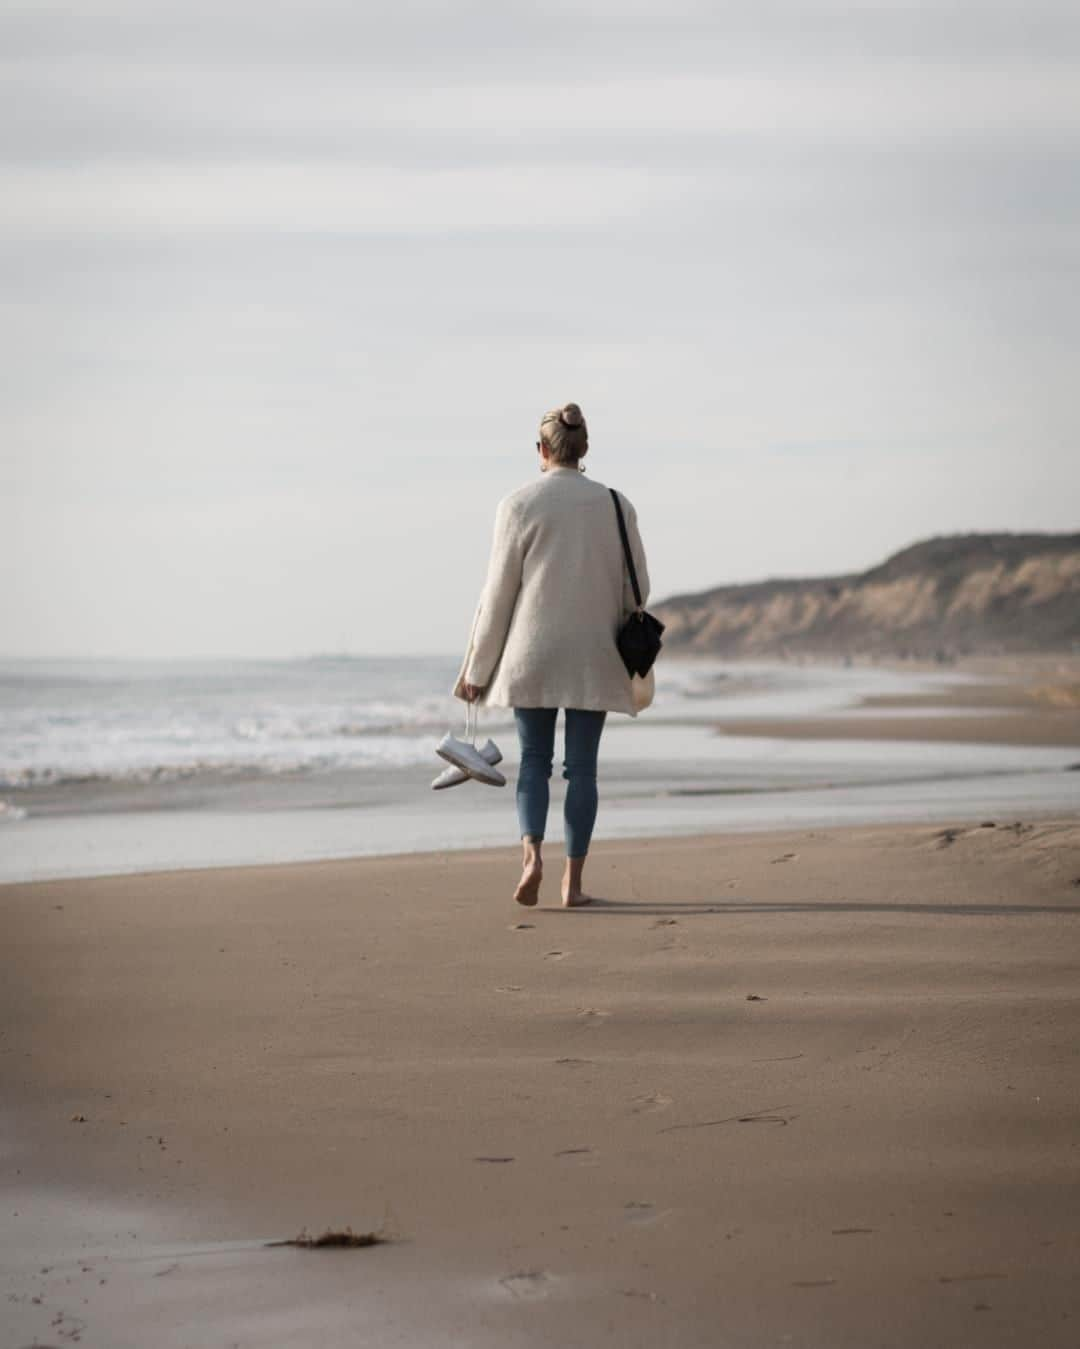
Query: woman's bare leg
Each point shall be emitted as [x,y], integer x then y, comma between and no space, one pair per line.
[573,897]
[532,871]
[583,731]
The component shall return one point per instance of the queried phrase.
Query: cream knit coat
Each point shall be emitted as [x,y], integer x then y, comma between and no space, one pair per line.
[557,591]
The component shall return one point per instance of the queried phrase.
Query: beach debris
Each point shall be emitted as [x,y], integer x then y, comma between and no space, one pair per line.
[498,1160]
[946,837]
[1072,768]
[556,955]
[522,927]
[508,988]
[572,1152]
[784,857]
[851,1231]
[573,1063]
[666,922]
[334,1238]
[755,997]
[78,1119]
[988,824]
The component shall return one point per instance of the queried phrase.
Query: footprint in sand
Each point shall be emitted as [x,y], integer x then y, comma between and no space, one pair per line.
[641,1214]
[529,1283]
[593,1015]
[650,1103]
[556,955]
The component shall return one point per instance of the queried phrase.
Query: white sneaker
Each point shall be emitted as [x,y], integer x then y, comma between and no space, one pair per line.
[467,757]
[453,777]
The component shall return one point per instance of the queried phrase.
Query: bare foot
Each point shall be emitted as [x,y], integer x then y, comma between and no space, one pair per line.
[528,891]
[575,899]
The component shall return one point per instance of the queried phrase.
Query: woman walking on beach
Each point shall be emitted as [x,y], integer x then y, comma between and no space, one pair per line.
[556,594]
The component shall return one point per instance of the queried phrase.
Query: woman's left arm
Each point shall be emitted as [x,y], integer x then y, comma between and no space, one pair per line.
[497,601]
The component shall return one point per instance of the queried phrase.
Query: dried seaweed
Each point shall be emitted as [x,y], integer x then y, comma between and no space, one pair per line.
[335,1238]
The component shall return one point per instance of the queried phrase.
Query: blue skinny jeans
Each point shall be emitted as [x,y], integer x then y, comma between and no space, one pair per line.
[536,733]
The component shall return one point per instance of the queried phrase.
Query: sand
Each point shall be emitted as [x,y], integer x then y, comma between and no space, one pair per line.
[1024,701]
[817,1089]
[1037,728]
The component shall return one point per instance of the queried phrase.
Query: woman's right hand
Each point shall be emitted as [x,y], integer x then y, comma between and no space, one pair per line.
[472,692]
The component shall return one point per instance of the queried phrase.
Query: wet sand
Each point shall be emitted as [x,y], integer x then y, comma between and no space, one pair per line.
[1047,728]
[814,1088]
[1025,701]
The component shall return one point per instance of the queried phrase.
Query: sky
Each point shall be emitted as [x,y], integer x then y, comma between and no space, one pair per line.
[285,289]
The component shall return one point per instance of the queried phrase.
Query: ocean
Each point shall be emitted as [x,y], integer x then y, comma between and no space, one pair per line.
[114,766]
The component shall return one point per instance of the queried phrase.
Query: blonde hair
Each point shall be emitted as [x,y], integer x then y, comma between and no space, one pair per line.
[564,434]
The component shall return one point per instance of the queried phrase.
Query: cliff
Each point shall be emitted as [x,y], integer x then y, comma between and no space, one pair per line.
[951,596]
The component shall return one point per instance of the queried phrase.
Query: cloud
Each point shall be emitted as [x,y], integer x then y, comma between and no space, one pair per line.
[313,269]
[169,199]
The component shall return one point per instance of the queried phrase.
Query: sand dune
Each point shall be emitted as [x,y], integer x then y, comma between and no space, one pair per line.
[942,598]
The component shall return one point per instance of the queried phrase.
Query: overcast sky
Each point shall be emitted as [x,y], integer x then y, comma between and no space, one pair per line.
[286,288]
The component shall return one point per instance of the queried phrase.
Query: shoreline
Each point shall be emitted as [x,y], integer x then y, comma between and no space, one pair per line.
[804,1082]
[829,754]
[472,853]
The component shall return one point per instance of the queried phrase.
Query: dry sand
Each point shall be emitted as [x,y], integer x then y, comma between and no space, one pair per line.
[817,1089]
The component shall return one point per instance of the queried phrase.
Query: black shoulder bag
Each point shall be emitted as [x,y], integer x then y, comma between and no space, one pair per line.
[639,637]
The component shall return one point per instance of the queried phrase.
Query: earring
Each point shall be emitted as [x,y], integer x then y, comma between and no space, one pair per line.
[580,467]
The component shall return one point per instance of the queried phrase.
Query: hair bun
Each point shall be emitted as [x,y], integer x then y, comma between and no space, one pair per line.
[571,415]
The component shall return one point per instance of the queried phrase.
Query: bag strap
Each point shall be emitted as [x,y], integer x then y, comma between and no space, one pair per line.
[626,547]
